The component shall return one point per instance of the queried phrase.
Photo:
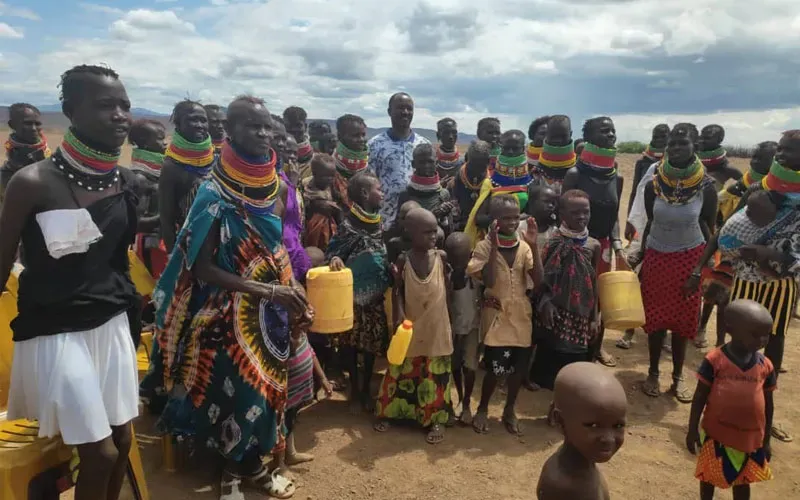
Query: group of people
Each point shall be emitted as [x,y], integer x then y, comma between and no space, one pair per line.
[493,255]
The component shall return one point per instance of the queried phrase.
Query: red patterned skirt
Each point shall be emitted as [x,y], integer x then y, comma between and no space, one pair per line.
[666,305]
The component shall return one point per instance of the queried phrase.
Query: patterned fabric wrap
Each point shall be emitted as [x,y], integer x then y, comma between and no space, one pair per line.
[223,354]
[301,375]
[724,467]
[364,253]
[417,391]
[293,219]
[678,186]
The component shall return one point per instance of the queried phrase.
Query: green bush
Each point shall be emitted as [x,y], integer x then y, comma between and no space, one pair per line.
[632,147]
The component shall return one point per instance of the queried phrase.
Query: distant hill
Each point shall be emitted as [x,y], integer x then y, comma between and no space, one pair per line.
[55,121]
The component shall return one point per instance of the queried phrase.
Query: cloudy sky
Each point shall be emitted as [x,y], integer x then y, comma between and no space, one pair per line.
[733,62]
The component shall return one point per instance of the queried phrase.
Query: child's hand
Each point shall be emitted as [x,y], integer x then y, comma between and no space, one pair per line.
[532,232]
[336,264]
[494,235]
[693,443]
[549,314]
[327,387]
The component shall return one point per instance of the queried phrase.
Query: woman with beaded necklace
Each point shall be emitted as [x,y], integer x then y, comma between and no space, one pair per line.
[681,207]
[351,156]
[225,305]
[595,173]
[188,162]
[74,364]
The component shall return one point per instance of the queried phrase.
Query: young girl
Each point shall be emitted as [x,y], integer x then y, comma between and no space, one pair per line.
[426,188]
[323,211]
[734,397]
[503,262]
[567,300]
[419,389]
[359,246]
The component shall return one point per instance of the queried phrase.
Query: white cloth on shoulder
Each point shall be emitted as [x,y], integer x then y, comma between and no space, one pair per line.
[67,231]
[638,215]
[77,384]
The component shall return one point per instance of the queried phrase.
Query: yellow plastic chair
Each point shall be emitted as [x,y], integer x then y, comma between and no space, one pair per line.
[23,455]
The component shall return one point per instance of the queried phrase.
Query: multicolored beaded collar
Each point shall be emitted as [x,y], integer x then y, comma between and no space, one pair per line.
[507,241]
[348,161]
[713,159]
[253,182]
[677,186]
[652,153]
[35,152]
[90,169]
[196,157]
[425,184]
[533,153]
[147,162]
[305,151]
[368,218]
[781,179]
[598,162]
[448,161]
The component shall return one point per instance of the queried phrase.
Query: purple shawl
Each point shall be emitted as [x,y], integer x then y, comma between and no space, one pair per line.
[292,228]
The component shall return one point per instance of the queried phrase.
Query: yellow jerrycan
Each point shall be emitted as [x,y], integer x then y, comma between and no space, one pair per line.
[331,294]
[620,295]
[398,348]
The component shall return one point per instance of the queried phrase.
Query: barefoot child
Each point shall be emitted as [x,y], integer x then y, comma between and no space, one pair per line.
[589,407]
[464,321]
[503,262]
[734,397]
[419,390]
[323,210]
[359,246]
[566,302]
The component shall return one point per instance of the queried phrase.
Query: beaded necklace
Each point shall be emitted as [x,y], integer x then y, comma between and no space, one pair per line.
[751,177]
[781,179]
[32,152]
[533,153]
[196,157]
[305,151]
[90,169]
[252,182]
[147,162]
[350,162]
[677,186]
[511,176]
[425,184]
[448,161]
[598,162]
[368,218]
[509,241]
[652,153]
[713,159]
[555,161]
[579,237]
[217,143]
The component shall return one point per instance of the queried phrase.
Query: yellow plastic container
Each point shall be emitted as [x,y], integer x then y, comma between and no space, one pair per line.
[620,297]
[142,280]
[331,294]
[398,348]
[8,311]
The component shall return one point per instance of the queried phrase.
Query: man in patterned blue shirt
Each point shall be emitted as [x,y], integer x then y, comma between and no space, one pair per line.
[390,154]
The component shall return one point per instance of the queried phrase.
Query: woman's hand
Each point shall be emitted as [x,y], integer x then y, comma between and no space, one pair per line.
[286,296]
[693,283]
[336,264]
[759,254]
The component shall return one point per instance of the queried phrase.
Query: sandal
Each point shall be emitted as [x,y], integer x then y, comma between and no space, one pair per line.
[480,422]
[778,432]
[651,386]
[273,484]
[681,391]
[606,359]
[435,434]
[701,343]
[531,386]
[466,416]
[381,426]
[511,423]
[229,488]
[624,343]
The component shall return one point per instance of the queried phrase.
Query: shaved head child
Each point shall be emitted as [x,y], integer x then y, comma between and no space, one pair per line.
[590,407]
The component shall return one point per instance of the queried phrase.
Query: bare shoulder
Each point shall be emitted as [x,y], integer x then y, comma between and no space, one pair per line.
[556,483]
[593,243]
[442,255]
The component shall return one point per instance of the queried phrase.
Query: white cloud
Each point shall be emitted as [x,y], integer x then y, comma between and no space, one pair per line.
[20,12]
[7,31]
[458,57]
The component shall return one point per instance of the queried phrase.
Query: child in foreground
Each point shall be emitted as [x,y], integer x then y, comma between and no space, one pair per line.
[358,245]
[463,305]
[568,317]
[589,405]
[734,397]
[419,389]
[503,262]
[323,210]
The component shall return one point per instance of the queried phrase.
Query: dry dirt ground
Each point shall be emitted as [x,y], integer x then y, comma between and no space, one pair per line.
[354,462]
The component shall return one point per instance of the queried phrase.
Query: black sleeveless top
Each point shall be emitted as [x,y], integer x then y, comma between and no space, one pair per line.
[79,291]
[604,202]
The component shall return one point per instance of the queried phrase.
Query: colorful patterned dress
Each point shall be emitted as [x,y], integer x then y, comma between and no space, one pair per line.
[224,353]
[364,253]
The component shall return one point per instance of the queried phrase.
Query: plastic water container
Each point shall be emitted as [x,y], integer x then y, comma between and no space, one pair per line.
[398,348]
[8,311]
[620,297]
[142,280]
[331,294]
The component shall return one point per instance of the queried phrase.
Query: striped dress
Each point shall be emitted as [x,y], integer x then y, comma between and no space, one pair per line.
[301,375]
